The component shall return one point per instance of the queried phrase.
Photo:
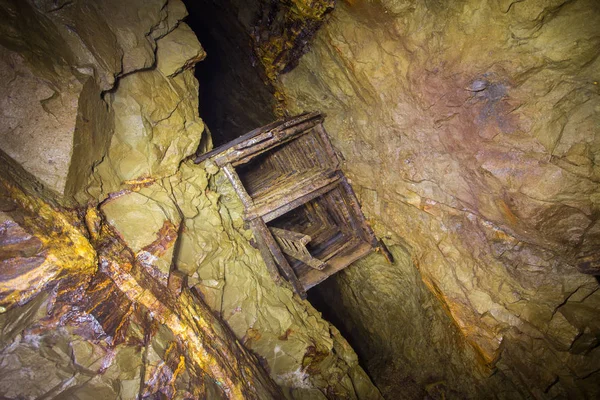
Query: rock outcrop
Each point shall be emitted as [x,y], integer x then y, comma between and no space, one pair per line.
[147,284]
[471,132]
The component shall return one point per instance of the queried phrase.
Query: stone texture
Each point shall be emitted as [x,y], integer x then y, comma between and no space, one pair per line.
[388,313]
[178,51]
[87,327]
[156,126]
[148,222]
[55,122]
[161,294]
[31,105]
[304,354]
[470,132]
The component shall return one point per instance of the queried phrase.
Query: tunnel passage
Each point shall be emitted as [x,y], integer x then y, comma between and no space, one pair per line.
[233,97]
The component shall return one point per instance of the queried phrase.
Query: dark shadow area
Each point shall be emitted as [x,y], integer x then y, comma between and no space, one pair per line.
[318,299]
[233,97]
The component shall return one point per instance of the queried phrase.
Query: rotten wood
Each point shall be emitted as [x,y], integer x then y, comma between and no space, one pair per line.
[261,230]
[327,143]
[265,253]
[287,174]
[290,122]
[353,200]
[275,209]
[237,157]
[238,186]
[314,277]
[294,245]
[290,235]
[290,191]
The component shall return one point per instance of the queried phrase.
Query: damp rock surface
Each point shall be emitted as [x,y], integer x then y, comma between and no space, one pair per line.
[470,131]
[125,269]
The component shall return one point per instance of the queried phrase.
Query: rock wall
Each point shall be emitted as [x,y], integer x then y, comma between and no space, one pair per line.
[102,111]
[58,60]
[80,318]
[471,132]
[402,333]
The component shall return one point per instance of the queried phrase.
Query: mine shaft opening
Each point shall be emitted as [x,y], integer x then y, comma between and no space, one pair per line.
[233,98]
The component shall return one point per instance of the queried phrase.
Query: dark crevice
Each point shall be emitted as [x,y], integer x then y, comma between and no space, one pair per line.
[233,97]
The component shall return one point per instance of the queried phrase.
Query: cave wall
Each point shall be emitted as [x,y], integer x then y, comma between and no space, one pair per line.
[470,131]
[402,333]
[170,298]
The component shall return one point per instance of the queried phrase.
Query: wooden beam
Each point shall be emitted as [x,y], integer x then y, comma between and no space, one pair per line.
[277,208]
[259,226]
[266,254]
[258,131]
[238,186]
[279,136]
[294,244]
[342,260]
[327,143]
[290,235]
[366,228]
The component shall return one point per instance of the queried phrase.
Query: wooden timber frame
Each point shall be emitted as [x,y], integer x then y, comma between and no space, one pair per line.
[305,217]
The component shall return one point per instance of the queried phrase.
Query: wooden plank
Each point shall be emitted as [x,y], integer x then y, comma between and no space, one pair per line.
[294,245]
[271,215]
[303,256]
[320,129]
[366,228]
[242,156]
[260,227]
[344,246]
[266,254]
[292,198]
[336,264]
[290,235]
[238,186]
[255,140]
[255,132]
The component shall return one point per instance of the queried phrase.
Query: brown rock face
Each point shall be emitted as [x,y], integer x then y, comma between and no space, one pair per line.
[150,287]
[86,321]
[472,131]
[58,58]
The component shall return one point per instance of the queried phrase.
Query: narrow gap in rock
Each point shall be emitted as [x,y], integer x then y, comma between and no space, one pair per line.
[233,97]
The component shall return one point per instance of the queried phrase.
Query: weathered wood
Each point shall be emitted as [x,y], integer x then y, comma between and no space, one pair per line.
[238,186]
[255,140]
[292,193]
[290,122]
[320,129]
[269,215]
[291,170]
[336,264]
[290,235]
[294,245]
[242,156]
[366,228]
[265,253]
[261,229]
